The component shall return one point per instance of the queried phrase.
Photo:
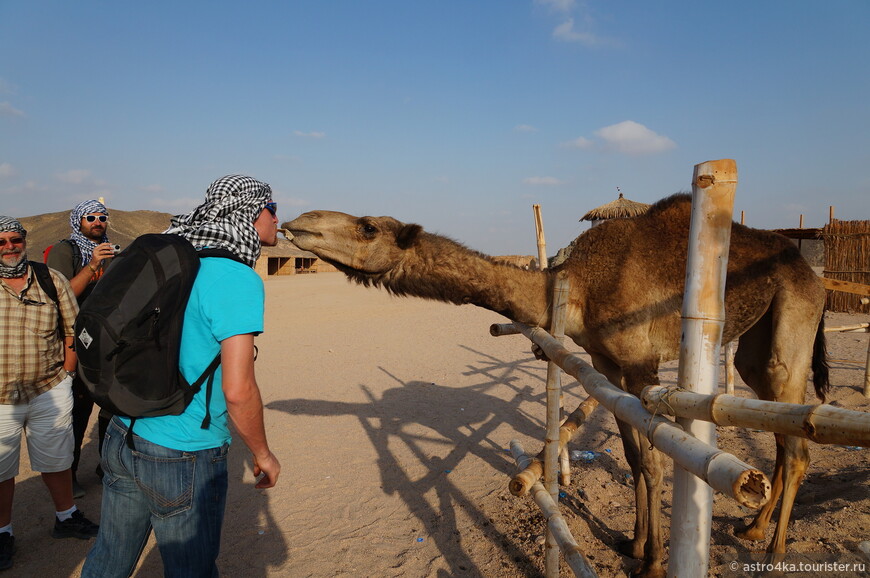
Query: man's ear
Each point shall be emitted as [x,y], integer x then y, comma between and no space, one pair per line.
[407,235]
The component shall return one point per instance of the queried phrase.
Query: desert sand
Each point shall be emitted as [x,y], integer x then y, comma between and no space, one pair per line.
[392,418]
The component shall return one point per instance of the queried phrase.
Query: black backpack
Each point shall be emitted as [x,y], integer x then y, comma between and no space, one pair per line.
[128,332]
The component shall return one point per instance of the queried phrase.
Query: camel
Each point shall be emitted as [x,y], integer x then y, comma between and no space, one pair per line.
[627,278]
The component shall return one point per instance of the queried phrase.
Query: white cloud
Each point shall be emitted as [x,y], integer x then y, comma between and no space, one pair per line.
[566,33]
[525,128]
[633,138]
[7,170]
[579,143]
[557,5]
[74,177]
[542,181]
[7,109]
[313,134]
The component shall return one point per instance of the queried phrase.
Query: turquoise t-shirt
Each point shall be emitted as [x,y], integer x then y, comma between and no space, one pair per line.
[227,299]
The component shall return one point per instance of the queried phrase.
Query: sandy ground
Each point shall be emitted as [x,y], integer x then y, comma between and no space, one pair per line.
[392,418]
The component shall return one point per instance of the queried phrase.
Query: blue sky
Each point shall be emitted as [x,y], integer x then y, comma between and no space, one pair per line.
[458,115]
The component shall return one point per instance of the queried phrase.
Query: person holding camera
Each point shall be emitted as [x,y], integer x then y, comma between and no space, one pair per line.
[81,258]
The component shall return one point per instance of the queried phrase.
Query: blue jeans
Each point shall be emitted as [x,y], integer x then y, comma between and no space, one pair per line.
[180,495]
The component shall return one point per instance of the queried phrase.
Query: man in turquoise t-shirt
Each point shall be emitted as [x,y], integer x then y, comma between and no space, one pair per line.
[176,480]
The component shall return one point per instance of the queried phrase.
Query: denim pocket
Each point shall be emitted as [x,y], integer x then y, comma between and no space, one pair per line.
[167,481]
[112,461]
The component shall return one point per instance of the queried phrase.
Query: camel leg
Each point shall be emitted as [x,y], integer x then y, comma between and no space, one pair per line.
[796,460]
[633,547]
[652,472]
[773,358]
[646,469]
[756,529]
[753,353]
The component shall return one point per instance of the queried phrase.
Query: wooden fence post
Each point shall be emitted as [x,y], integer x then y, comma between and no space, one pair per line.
[713,186]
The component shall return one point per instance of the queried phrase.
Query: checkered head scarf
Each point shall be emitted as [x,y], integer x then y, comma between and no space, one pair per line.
[10,225]
[226,219]
[86,246]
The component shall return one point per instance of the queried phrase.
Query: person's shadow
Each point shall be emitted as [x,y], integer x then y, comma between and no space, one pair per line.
[388,419]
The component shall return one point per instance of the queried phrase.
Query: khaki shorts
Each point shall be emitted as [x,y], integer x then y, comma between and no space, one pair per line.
[47,424]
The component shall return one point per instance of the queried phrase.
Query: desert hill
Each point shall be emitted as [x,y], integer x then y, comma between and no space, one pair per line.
[124,226]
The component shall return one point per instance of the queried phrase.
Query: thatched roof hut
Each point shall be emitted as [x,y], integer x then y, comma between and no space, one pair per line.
[621,208]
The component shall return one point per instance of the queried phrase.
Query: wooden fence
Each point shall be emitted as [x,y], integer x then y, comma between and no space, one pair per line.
[847,258]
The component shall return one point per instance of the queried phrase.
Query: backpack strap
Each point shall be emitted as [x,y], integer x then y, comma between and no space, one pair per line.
[43,277]
[194,388]
[219,252]
[197,385]
[76,253]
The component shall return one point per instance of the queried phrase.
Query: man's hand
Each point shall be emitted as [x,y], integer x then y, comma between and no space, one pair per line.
[102,252]
[270,468]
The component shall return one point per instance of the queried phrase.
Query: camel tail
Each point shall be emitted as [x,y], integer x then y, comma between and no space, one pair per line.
[821,374]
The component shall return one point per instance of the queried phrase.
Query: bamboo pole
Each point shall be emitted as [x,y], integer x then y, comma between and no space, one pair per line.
[821,423]
[522,482]
[539,232]
[554,406]
[729,368]
[555,521]
[724,472]
[858,328]
[501,329]
[713,186]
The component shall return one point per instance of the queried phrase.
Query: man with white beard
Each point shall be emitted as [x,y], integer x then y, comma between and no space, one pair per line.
[35,386]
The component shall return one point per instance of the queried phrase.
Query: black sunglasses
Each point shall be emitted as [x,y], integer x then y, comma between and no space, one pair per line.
[272,207]
[92,218]
[12,241]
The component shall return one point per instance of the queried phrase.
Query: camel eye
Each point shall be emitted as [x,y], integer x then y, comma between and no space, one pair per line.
[368,229]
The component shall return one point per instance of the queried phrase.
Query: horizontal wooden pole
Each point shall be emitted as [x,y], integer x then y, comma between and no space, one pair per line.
[555,521]
[522,482]
[857,328]
[499,329]
[846,286]
[724,472]
[822,423]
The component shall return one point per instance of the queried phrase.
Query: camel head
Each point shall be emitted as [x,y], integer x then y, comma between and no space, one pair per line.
[361,247]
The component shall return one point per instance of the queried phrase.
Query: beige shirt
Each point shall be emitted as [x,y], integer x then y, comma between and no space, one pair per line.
[31,351]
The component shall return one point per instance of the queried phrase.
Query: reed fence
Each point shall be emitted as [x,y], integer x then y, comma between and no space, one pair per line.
[847,258]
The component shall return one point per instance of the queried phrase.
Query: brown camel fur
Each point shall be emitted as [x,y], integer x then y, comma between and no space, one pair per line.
[624,308]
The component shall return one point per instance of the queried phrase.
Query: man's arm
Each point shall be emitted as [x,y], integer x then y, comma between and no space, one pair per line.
[245,406]
[69,354]
[60,258]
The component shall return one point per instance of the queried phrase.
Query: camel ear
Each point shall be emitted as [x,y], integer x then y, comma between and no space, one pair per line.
[407,236]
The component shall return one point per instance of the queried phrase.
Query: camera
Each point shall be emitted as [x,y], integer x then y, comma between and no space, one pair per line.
[116,249]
